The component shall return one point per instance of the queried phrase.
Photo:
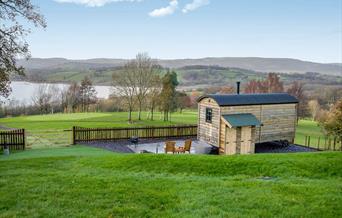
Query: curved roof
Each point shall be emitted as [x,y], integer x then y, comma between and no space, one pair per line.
[251,99]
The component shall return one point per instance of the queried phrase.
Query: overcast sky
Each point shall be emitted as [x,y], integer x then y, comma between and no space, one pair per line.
[80,29]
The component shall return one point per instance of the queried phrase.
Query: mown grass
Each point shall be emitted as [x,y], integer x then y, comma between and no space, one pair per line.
[115,119]
[308,128]
[88,182]
[317,137]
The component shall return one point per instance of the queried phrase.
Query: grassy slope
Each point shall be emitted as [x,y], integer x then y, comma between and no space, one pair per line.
[81,181]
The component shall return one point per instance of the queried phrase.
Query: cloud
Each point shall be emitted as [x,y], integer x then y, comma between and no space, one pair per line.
[194,5]
[94,3]
[170,9]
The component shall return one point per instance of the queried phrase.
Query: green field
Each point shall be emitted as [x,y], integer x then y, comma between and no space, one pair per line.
[56,123]
[115,119]
[88,182]
[308,128]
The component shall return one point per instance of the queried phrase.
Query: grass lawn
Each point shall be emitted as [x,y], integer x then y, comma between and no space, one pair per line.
[311,128]
[88,182]
[115,119]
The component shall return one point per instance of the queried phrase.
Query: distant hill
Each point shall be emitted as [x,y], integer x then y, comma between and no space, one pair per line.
[280,65]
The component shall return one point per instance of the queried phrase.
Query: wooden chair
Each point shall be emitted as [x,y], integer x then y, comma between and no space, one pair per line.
[186,147]
[170,146]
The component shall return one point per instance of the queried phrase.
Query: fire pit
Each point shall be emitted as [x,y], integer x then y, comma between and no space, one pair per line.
[134,140]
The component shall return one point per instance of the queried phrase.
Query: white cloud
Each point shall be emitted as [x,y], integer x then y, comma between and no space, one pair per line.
[194,5]
[94,3]
[170,9]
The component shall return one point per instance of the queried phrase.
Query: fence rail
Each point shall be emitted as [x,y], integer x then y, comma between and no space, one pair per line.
[14,139]
[80,134]
[324,143]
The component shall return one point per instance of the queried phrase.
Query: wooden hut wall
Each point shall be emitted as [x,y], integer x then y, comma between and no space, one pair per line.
[209,132]
[279,120]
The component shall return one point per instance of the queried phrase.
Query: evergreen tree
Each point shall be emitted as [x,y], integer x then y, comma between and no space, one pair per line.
[168,94]
[87,94]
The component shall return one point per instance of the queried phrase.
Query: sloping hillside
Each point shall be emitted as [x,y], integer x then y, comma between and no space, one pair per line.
[80,181]
[283,65]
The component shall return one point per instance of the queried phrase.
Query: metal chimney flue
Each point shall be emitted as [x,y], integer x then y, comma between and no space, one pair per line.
[238,87]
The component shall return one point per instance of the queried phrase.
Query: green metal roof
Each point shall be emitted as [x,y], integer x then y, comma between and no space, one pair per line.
[238,120]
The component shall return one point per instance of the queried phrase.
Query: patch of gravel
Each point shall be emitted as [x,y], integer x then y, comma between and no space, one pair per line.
[273,147]
[109,145]
[122,146]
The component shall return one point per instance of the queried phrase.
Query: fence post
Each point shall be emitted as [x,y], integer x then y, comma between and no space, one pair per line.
[24,139]
[305,141]
[73,135]
[325,142]
[308,141]
[334,143]
[319,140]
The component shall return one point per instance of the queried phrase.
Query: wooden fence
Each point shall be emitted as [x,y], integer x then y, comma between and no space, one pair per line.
[14,139]
[47,138]
[324,143]
[80,134]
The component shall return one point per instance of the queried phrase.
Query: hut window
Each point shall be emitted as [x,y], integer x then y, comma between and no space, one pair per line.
[208,115]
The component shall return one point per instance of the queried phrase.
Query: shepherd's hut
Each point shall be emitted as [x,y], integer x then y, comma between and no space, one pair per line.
[235,122]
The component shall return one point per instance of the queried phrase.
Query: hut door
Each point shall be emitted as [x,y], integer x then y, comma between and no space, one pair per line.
[246,140]
[230,140]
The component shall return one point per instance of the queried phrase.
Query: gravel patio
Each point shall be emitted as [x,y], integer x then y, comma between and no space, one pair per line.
[156,146]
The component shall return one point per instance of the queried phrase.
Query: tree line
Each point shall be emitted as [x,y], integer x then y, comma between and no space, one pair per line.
[49,98]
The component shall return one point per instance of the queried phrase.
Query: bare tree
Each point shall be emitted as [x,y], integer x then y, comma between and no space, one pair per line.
[56,99]
[270,85]
[12,34]
[145,76]
[297,90]
[182,101]
[154,94]
[314,108]
[124,83]
[137,79]
[227,90]
[42,98]
[73,97]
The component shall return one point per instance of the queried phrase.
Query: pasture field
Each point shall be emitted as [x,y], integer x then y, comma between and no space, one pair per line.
[80,181]
[54,124]
[114,119]
[312,129]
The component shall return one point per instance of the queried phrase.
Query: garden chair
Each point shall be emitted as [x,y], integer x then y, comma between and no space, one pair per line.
[170,146]
[186,147]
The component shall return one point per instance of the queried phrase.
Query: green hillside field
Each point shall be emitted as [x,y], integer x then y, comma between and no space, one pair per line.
[80,181]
